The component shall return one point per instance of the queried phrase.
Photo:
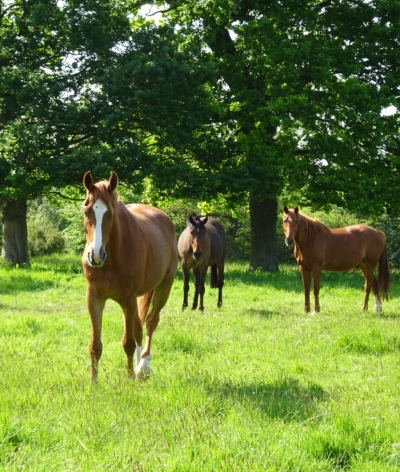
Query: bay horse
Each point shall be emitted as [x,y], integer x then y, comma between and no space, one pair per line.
[202,244]
[130,252]
[317,248]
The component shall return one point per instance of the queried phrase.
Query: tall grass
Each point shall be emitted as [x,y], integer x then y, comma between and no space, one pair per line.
[257,385]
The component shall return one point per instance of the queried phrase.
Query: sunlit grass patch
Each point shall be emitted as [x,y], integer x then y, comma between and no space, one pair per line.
[255,385]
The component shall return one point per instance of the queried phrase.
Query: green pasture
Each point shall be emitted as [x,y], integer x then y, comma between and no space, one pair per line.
[257,385]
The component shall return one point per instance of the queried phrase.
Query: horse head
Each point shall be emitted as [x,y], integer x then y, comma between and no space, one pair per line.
[290,224]
[99,209]
[197,231]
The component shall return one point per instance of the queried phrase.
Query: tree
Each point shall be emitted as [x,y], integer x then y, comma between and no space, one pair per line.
[303,85]
[36,39]
[83,88]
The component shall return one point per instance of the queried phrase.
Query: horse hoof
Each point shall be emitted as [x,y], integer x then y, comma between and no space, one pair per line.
[143,370]
[378,309]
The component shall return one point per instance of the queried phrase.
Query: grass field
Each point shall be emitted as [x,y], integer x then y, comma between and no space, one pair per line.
[257,385]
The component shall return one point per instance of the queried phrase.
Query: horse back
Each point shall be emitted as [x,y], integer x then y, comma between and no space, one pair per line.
[351,245]
[154,226]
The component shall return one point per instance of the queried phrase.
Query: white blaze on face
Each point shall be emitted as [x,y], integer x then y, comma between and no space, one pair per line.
[99,209]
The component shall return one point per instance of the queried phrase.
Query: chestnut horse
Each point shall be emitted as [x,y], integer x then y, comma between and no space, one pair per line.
[130,252]
[318,248]
[202,244]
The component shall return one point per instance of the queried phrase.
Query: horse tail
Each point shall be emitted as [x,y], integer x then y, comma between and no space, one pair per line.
[384,278]
[214,276]
[144,305]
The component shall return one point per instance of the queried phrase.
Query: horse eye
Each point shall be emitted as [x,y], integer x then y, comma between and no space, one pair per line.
[85,212]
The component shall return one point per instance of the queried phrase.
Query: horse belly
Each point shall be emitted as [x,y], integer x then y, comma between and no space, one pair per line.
[343,256]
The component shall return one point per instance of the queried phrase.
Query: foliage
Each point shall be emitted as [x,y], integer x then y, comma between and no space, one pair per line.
[302,87]
[45,237]
[74,235]
[113,96]
[390,225]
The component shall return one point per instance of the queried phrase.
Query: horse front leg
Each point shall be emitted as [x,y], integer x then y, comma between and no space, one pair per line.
[186,279]
[202,289]
[197,278]
[133,333]
[95,306]
[317,285]
[306,276]
[159,299]
[221,277]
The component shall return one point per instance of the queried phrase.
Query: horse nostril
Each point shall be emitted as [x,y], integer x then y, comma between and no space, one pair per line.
[288,242]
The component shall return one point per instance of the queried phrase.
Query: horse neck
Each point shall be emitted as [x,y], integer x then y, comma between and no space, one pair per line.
[308,230]
[114,245]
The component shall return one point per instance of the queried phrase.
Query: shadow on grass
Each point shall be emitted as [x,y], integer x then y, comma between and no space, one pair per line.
[285,399]
[23,282]
[262,313]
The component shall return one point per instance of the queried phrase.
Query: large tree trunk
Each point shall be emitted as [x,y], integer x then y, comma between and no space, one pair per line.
[15,234]
[263,215]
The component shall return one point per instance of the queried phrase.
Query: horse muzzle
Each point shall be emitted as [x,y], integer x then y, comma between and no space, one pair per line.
[197,256]
[96,261]
[289,241]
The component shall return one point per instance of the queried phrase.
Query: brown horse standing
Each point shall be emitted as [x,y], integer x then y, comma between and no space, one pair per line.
[320,248]
[130,252]
[202,244]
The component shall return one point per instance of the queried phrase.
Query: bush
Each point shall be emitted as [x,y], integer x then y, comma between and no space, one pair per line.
[72,227]
[391,227]
[44,235]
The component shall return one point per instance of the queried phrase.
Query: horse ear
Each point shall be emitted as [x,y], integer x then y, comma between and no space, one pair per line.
[113,182]
[296,209]
[204,220]
[285,209]
[190,220]
[88,181]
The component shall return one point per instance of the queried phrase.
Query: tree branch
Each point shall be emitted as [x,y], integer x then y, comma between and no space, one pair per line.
[63,196]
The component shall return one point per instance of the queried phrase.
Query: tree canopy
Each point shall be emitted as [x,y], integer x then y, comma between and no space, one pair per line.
[239,99]
[305,84]
[82,87]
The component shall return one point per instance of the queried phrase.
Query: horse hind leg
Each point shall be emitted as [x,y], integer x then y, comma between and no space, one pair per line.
[370,283]
[377,297]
